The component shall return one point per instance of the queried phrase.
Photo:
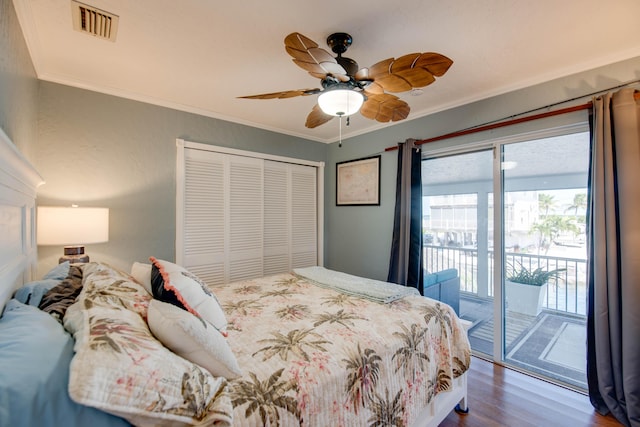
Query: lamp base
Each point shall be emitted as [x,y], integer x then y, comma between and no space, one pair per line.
[74,254]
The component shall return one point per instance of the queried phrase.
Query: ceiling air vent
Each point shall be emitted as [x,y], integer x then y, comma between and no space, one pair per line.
[96,22]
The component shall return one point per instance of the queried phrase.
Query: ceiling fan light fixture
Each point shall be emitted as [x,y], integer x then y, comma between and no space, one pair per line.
[340,102]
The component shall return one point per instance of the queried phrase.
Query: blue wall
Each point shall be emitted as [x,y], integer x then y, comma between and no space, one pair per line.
[18,82]
[101,150]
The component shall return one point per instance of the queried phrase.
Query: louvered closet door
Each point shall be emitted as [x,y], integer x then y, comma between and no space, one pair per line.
[244,217]
[277,217]
[204,215]
[222,216]
[245,231]
[290,217]
[304,216]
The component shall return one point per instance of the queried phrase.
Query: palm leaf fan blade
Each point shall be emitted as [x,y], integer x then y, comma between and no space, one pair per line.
[409,71]
[393,83]
[317,117]
[370,108]
[416,77]
[375,109]
[312,56]
[404,62]
[282,95]
[320,55]
[381,74]
[299,42]
[435,63]
[406,67]
[374,89]
[311,67]
[385,108]
[399,110]
[320,68]
[380,69]
[362,74]
[308,56]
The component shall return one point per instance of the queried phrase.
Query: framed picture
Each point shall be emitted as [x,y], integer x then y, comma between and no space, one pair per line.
[358,182]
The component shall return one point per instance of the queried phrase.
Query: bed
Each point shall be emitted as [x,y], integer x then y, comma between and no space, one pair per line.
[92,345]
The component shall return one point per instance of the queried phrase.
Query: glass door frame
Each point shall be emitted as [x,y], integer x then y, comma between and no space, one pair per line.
[497,145]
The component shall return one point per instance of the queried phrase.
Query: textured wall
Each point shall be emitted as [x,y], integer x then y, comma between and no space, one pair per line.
[18,83]
[101,150]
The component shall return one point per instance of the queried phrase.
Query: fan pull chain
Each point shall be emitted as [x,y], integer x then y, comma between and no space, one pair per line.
[347,124]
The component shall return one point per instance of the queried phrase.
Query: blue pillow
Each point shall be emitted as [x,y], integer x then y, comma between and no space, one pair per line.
[31,293]
[35,352]
[58,272]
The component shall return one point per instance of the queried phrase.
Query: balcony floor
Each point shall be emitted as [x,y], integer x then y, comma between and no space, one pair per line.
[551,344]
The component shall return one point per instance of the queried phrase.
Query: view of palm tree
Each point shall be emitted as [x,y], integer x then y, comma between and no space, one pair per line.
[550,227]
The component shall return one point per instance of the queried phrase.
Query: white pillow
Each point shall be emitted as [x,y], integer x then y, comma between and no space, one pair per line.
[176,285]
[192,338]
[142,273]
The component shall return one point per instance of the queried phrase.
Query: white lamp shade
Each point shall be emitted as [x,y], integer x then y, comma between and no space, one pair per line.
[340,102]
[72,225]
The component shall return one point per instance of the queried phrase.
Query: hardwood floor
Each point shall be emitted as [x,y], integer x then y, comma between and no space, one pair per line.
[498,396]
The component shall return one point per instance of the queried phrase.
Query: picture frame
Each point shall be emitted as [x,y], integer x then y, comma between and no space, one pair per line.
[358,182]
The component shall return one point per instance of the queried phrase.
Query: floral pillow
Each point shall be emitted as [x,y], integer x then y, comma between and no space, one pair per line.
[175,285]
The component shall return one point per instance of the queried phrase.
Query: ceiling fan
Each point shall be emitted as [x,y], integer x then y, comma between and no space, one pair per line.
[346,89]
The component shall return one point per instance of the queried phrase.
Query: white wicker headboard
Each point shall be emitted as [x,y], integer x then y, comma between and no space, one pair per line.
[18,251]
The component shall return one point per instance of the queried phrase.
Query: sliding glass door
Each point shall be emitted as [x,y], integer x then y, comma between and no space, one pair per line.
[544,196]
[534,235]
[458,229]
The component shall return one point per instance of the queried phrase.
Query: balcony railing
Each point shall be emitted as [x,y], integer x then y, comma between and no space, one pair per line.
[566,293]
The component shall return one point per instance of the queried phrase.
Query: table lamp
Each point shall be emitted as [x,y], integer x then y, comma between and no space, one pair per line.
[73,227]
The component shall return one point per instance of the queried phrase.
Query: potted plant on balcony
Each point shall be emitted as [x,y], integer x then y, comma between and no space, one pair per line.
[526,289]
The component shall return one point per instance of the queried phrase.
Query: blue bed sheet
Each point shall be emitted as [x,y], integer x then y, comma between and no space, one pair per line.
[35,352]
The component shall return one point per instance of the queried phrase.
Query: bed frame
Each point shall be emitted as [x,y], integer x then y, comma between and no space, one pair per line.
[18,251]
[434,413]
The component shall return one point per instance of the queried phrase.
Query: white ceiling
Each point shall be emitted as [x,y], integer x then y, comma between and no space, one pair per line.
[199,55]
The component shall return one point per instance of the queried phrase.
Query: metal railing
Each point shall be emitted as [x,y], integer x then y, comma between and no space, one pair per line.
[567,292]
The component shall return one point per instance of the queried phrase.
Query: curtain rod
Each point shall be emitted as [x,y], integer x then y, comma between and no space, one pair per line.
[501,124]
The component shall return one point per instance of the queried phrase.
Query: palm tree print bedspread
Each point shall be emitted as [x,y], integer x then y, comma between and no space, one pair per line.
[315,357]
